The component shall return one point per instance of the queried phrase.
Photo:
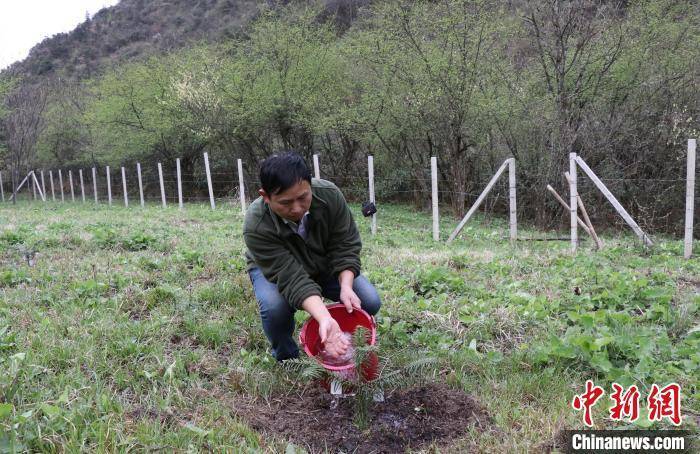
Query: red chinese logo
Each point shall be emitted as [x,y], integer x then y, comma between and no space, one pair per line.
[662,403]
[587,400]
[665,403]
[626,403]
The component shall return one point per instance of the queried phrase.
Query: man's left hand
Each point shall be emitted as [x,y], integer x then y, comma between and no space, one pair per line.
[349,298]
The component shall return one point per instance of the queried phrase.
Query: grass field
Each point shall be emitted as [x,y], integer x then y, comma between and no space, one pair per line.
[133,329]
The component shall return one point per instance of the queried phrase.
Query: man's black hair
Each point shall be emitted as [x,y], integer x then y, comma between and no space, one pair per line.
[280,172]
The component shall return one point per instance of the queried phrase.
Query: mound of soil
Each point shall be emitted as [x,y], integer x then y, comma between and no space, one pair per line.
[407,418]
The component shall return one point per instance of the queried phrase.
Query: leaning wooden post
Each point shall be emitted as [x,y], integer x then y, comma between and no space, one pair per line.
[512,205]
[70,182]
[126,196]
[38,188]
[162,186]
[370,172]
[43,182]
[138,171]
[561,201]
[613,201]
[317,170]
[82,184]
[109,187]
[573,192]
[60,182]
[53,193]
[211,190]
[434,187]
[179,184]
[689,199]
[241,185]
[94,183]
[15,190]
[478,202]
[589,224]
[2,190]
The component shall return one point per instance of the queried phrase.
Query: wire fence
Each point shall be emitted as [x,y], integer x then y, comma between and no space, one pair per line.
[195,187]
[122,187]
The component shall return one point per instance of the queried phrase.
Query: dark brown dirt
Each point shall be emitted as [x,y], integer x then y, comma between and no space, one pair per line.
[558,443]
[409,418]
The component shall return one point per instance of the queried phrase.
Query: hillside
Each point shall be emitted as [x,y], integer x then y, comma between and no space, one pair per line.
[135,28]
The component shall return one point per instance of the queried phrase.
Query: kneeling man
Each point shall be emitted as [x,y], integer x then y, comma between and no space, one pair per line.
[303,245]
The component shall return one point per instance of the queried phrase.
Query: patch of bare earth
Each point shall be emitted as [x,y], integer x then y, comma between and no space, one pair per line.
[410,418]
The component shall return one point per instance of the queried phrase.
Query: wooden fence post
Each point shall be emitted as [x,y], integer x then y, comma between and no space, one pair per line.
[512,205]
[478,202]
[370,172]
[109,187]
[31,182]
[241,185]
[43,182]
[611,198]
[573,192]
[317,170]
[82,184]
[15,190]
[434,187]
[138,171]
[689,199]
[211,190]
[38,188]
[60,182]
[179,184]
[70,182]
[586,219]
[53,193]
[566,206]
[94,183]
[126,196]
[162,185]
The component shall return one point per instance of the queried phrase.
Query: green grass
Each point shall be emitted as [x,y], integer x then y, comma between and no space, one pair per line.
[133,328]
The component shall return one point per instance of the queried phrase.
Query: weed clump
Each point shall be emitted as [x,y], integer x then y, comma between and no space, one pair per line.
[159,296]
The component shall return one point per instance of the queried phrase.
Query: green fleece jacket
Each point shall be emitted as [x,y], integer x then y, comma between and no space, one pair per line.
[294,265]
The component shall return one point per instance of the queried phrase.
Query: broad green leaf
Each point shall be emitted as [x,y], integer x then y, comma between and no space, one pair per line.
[601,362]
[603,341]
[50,410]
[6,410]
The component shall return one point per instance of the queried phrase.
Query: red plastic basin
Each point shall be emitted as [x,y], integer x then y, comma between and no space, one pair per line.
[348,322]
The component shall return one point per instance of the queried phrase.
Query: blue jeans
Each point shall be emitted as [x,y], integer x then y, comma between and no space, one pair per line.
[277,314]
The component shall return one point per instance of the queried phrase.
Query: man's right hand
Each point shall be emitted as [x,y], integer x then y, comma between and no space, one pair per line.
[332,337]
[329,331]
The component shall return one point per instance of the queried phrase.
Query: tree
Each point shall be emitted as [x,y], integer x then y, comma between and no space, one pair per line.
[576,45]
[6,86]
[66,138]
[430,87]
[23,125]
[612,74]
[132,117]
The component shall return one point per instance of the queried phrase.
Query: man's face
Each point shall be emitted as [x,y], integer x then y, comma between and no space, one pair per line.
[291,204]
